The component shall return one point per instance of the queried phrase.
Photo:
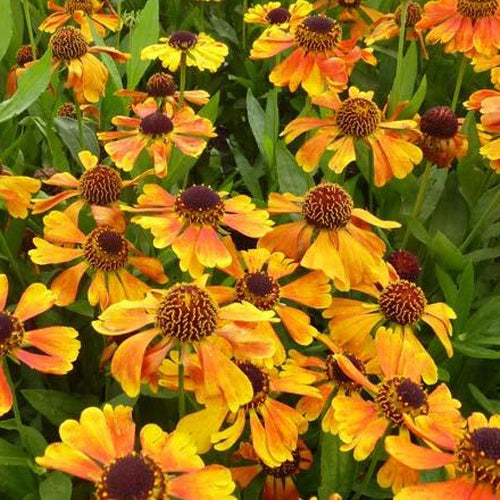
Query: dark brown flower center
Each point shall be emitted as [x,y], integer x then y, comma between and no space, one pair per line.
[259,289]
[335,373]
[479,453]
[413,14]
[327,206]
[287,468]
[161,85]
[399,396]
[187,313]
[199,205]
[278,16]
[11,332]
[182,40]
[156,124]
[83,5]
[67,43]
[67,109]
[402,302]
[350,3]
[24,55]
[440,122]
[259,380]
[358,117]
[132,477]
[406,264]
[318,34]
[477,9]
[100,186]
[106,249]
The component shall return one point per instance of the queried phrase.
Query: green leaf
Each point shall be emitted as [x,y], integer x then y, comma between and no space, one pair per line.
[57,406]
[249,173]
[67,128]
[416,101]
[16,482]
[144,33]
[476,351]
[30,86]
[57,486]
[464,298]
[11,455]
[224,29]
[448,255]
[35,442]
[490,405]
[7,27]
[447,285]
[291,178]
[402,90]
[257,120]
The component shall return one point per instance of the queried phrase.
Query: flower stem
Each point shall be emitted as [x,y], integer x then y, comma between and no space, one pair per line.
[244,26]
[182,394]
[479,224]
[29,28]
[4,248]
[182,87]
[371,468]
[15,406]
[395,96]
[458,85]
[419,200]
[79,118]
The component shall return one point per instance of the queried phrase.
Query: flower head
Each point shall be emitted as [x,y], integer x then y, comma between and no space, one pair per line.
[356,119]
[100,448]
[274,14]
[406,264]
[24,56]
[198,50]
[48,350]
[332,235]
[156,131]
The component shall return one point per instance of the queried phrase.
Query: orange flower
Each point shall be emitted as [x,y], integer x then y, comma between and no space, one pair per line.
[189,314]
[279,481]
[320,58]
[156,131]
[87,76]
[191,222]
[332,236]
[399,401]
[472,462]
[402,305]
[83,12]
[24,55]
[274,426]
[104,250]
[441,142]
[99,186]
[16,191]
[273,14]
[56,347]
[259,278]
[100,448]
[467,26]
[161,85]
[388,26]
[357,118]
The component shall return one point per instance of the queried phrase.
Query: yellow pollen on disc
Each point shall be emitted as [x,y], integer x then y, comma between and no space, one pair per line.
[402,302]
[318,34]
[358,117]
[106,249]
[11,332]
[477,9]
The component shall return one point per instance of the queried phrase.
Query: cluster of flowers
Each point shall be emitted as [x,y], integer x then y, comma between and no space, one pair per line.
[255,285]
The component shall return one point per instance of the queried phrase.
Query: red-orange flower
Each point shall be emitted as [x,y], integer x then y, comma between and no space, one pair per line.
[156,131]
[55,347]
[332,236]
[192,222]
[100,448]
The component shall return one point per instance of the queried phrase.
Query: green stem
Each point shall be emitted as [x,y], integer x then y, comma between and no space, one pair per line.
[4,248]
[479,224]
[182,87]
[371,469]
[119,14]
[29,27]
[79,117]
[15,406]
[419,200]
[394,99]
[244,26]
[182,394]
[458,85]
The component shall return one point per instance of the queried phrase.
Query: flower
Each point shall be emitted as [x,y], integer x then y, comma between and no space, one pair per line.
[56,347]
[332,236]
[161,85]
[100,448]
[186,313]
[279,481]
[24,55]
[87,76]
[402,305]
[83,12]
[16,191]
[441,142]
[320,58]
[388,26]
[357,118]
[406,264]
[472,462]
[399,401]
[260,279]
[200,51]
[192,222]
[467,26]
[273,14]
[104,250]
[274,426]
[156,131]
